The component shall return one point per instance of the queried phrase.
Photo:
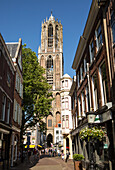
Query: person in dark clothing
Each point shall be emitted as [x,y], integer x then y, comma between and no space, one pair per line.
[67,156]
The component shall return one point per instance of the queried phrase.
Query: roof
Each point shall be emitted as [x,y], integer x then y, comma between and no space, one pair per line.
[51,17]
[66,75]
[12,48]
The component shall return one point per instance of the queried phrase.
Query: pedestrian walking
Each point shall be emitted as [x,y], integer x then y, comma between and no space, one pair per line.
[67,156]
[29,155]
[62,155]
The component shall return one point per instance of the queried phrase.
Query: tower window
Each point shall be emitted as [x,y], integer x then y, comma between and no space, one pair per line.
[56,36]
[50,35]
[50,70]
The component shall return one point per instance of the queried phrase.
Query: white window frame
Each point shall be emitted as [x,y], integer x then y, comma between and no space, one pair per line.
[81,73]
[104,100]
[98,45]
[78,84]
[91,55]
[88,109]
[63,121]
[79,106]
[85,67]
[93,92]
[67,121]
[66,83]
[66,103]
[83,104]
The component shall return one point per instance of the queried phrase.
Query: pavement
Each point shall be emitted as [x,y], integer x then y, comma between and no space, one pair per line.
[45,162]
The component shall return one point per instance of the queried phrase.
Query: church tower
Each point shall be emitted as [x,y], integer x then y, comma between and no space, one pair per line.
[50,57]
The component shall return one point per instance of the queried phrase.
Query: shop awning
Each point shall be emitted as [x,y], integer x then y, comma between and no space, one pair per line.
[30,146]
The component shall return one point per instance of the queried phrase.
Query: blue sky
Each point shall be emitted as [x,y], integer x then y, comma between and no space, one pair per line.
[23,18]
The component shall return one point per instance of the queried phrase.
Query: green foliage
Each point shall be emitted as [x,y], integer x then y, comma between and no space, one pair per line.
[78,157]
[36,96]
[95,133]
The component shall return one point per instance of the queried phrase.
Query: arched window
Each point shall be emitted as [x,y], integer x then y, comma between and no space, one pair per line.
[56,36]
[57,100]
[57,69]
[42,61]
[50,35]
[44,35]
[57,117]
[50,70]
[57,64]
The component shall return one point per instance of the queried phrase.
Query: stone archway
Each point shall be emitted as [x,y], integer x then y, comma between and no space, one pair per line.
[49,140]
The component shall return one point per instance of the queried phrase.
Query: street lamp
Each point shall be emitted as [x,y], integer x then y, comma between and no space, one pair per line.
[91,117]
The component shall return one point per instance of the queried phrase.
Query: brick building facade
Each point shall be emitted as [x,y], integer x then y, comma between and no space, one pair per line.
[95,70]
[7,72]
[15,50]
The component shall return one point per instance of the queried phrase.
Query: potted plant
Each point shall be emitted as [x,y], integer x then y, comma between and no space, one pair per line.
[94,133]
[77,161]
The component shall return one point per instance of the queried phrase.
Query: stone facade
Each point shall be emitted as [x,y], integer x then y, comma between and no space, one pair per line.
[66,117]
[50,57]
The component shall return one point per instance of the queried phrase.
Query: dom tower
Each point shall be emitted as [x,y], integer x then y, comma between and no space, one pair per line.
[50,56]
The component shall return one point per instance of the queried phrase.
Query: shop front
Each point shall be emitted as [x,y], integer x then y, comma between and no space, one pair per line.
[4,148]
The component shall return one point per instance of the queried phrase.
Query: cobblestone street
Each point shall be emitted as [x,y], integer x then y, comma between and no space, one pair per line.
[45,162]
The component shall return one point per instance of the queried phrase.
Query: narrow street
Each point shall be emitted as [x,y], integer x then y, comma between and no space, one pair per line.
[45,162]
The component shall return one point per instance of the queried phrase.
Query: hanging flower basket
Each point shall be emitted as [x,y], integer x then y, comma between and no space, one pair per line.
[94,133]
